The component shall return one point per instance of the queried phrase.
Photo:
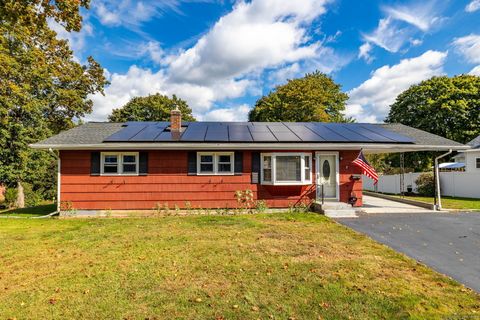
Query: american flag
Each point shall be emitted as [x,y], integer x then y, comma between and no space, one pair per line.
[368,170]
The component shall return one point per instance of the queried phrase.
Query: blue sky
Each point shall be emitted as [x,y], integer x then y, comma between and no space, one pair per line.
[221,56]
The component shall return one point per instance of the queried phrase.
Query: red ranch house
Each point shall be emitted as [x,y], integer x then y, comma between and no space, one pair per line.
[140,165]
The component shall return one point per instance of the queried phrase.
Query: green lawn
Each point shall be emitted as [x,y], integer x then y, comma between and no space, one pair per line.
[281,266]
[42,210]
[452,202]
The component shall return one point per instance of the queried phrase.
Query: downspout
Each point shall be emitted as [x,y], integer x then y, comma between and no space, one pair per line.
[437,180]
[58,177]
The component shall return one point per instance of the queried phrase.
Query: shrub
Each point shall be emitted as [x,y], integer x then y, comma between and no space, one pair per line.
[261,206]
[426,184]
[10,197]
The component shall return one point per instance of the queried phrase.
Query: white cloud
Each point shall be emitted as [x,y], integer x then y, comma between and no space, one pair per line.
[421,14]
[364,52]
[131,13]
[469,47]
[238,113]
[401,23]
[254,39]
[258,34]
[475,71]
[473,6]
[374,96]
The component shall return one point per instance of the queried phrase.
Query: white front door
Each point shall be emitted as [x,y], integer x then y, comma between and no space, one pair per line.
[327,176]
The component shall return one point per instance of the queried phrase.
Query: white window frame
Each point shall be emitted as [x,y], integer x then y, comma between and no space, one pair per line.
[216,157]
[476,163]
[274,155]
[119,156]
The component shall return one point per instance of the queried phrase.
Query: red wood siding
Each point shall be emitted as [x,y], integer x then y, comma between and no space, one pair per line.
[168,182]
[349,187]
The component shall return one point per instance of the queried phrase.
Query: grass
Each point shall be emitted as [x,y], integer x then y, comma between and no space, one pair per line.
[41,210]
[281,266]
[451,202]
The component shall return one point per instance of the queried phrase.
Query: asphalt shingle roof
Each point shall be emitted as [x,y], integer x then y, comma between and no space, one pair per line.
[475,143]
[98,133]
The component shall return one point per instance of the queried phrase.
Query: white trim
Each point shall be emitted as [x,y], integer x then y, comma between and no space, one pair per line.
[476,163]
[119,163]
[215,163]
[367,148]
[274,155]
[337,170]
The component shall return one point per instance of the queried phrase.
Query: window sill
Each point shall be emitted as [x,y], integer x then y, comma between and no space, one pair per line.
[119,174]
[299,183]
[216,174]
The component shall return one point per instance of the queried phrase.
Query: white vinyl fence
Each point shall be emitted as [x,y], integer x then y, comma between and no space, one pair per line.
[455,184]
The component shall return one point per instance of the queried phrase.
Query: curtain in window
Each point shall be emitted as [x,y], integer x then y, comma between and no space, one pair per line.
[288,168]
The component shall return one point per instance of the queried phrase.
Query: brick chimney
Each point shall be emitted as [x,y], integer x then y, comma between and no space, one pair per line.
[175,120]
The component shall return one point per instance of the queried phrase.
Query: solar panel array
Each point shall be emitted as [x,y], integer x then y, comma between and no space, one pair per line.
[258,132]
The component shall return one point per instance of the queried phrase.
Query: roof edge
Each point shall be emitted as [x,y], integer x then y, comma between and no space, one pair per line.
[252,146]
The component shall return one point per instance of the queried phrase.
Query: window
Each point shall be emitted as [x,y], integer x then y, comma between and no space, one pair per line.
[286,168]
[215,163]
[478,163]
[119,163]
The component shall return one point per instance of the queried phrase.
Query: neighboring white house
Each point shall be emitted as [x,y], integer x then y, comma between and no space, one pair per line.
[471,157]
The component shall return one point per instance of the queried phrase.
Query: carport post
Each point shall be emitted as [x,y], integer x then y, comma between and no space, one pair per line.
[437,181]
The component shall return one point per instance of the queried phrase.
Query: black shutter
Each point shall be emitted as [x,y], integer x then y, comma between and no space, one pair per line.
[143,163]
[192,163]
[256,165]
[95,163]
[238,167]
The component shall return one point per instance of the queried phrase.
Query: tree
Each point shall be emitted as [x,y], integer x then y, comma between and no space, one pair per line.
[155,107]
[315,97]
[448,107]
[42,89]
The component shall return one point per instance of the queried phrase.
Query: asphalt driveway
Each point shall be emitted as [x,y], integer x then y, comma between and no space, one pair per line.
[447,242]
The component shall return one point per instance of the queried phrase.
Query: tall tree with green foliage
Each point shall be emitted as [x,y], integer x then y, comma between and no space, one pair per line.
[155,107]
[42,88]
[446,106]
[315,97]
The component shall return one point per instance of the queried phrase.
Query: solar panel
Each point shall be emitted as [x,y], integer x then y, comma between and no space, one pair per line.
[325,133]
[126,133]
[194,132]
[370,134]
[350,135]
[217,132]
[259,132]
[304,133]
[150,132]
[239,133]
[387,133]
[282,133]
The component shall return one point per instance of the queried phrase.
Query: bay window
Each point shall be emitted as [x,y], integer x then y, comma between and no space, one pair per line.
[215,163]
[286,168]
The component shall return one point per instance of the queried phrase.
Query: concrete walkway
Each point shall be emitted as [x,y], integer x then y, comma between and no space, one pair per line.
[379,205]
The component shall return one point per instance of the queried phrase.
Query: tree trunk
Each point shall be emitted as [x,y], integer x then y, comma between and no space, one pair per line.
[20,202]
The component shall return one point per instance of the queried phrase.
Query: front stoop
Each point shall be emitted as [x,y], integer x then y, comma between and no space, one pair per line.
[335,209]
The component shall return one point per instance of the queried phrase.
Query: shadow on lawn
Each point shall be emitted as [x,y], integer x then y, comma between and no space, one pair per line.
[40,210]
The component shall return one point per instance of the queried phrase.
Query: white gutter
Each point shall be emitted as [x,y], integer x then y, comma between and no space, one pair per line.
[59,178]
[437,179]
[374,147]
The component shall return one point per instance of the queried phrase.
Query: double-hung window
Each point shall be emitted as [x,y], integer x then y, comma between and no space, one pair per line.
[478,163]
[215,163]
[286,168]
[119,163]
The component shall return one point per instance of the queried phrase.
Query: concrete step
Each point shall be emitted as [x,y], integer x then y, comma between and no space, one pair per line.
[335,206]
[341,213]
